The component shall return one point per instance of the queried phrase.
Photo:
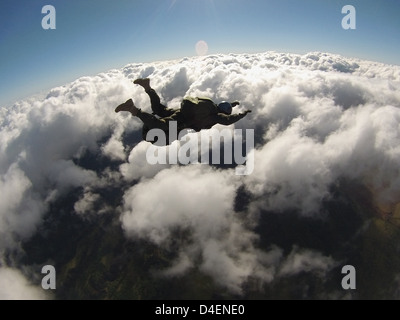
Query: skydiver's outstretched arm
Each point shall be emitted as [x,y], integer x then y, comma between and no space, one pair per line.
[226,120]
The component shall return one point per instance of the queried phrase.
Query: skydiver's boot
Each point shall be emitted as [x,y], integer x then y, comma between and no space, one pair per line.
[128,105]
[144,82]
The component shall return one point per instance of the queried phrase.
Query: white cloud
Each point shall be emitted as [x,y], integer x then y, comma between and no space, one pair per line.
[114,149]
[19,210]
[318,117]
[305,261]
[40,140]
[138,166]
[14,286]
[199,200]
[194,197]
[86,203]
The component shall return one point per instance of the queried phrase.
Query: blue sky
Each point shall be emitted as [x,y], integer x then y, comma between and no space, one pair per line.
[92,36]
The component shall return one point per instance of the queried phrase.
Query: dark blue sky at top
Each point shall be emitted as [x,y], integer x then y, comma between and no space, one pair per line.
[92,36]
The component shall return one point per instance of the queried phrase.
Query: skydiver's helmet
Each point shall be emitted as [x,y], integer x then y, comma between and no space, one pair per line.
[225,107]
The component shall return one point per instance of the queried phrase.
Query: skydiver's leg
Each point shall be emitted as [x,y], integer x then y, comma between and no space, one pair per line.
[148,119]
[151,121]
[156,105]
[158,108]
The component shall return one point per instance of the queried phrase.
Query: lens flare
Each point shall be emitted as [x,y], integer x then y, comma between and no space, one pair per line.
[201,48]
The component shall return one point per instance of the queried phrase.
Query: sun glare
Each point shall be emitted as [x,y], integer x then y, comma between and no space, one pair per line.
[201,48]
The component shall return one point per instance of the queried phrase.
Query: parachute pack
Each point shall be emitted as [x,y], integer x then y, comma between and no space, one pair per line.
[195,108]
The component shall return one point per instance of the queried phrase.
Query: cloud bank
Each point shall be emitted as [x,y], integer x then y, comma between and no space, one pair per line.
[318,118]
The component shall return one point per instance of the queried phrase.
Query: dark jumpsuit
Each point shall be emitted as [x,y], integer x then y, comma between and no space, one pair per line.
[167,114]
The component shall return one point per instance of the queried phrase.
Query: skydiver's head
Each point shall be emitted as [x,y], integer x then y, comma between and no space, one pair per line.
[225,107]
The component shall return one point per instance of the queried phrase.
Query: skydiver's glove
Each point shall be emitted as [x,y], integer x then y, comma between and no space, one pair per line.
[246,112]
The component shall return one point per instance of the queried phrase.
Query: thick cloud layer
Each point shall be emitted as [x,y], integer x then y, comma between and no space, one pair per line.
[317,117]
[14,286]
